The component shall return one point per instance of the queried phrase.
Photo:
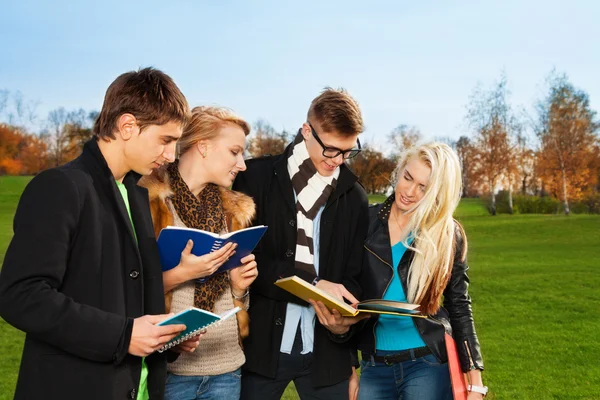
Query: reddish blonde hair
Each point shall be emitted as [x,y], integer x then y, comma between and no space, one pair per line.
[204,124]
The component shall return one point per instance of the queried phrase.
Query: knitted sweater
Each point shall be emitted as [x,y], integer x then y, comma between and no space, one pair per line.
[219,350]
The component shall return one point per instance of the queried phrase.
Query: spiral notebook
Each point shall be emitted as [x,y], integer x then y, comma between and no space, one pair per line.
[195,320]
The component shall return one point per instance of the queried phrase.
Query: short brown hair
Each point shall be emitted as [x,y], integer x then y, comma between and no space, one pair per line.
[205,123]
[336,111]
[148,94]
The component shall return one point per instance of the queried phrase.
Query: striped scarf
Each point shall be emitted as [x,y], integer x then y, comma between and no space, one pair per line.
[312,191]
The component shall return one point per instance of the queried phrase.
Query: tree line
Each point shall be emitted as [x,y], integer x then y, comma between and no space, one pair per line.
[552,151]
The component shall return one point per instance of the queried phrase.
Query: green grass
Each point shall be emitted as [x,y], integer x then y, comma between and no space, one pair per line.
[11,340]
[534,281]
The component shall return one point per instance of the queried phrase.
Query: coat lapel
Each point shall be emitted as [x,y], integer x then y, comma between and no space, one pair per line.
[345,182]
[105,183]
[382,248]
[285,183]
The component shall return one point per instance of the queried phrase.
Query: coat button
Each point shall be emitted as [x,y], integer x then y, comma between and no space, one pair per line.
[292,222]
[134,274]
[289,253]
[133,394]
[278,322]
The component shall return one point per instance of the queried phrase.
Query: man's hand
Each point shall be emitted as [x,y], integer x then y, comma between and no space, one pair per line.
[243,276]
[190,345]
[337,290]
[196,267]
[147,337]
[353,385]
[333,320]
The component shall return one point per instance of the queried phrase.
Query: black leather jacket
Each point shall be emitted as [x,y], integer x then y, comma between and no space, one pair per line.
[455,316]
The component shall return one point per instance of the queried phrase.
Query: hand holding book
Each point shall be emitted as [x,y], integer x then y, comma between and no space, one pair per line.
[306,291]
[220,252]
[337,290]
[332,320]
[195,321]
[147,336]
[205,265]
[242,277]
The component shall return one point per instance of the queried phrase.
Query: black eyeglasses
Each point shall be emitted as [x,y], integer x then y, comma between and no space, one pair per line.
[332,152]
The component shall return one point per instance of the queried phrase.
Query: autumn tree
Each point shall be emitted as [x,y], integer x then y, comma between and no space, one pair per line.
[79,127]
[491,120]
[466,157]
[403,137]
[66,133]
[567,131]
[373,169]
[525,160]
[266,140]
[10,142]
[34,155]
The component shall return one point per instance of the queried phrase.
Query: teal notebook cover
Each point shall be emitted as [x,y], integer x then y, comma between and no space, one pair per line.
[194,320]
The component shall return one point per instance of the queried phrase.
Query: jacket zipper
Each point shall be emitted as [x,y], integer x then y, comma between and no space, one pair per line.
[471,363]
[386,288]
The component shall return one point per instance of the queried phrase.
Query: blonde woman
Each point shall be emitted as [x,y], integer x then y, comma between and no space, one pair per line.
[194,192]
[416,252]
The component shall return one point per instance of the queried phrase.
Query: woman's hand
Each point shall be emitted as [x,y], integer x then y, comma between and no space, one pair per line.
[190,345]
[242,277]
[193,267]
[200,266]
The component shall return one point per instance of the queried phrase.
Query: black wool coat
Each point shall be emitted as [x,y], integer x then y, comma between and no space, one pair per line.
[344,225]
[75,276]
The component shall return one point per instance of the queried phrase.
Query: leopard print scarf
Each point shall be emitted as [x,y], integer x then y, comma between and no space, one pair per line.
[202,212]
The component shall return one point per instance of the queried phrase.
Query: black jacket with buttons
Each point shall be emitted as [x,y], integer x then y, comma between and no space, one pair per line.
[74,277]
[455,316]
[343,229]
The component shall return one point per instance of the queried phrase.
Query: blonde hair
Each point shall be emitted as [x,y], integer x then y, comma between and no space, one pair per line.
[204,124]
[432,224]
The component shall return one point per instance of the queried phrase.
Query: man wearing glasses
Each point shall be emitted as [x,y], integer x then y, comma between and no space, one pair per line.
[317,215]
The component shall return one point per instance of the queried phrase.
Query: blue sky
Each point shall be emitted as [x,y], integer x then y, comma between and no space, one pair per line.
[406,62]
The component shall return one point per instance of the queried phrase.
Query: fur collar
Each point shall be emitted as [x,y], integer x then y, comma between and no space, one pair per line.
[238,206]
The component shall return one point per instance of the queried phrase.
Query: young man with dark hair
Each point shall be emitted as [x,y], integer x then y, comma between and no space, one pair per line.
[317,216]
[82,276]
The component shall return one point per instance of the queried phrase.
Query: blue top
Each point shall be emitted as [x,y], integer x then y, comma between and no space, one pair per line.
[395,332]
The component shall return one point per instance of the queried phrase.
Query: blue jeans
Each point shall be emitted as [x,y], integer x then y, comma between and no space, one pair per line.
[423,378]
[212,387]
[291,367]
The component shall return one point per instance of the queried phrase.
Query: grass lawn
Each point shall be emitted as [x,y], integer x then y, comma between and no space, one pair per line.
[534,281]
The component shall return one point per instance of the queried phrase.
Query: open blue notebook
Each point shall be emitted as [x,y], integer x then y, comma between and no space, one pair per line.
[172,240]
[194,320]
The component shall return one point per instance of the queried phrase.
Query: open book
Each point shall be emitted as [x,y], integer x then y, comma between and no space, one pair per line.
[194,320]
[304,290]
[173,239]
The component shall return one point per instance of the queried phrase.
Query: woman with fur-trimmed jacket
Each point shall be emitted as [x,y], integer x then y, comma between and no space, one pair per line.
[193,192]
